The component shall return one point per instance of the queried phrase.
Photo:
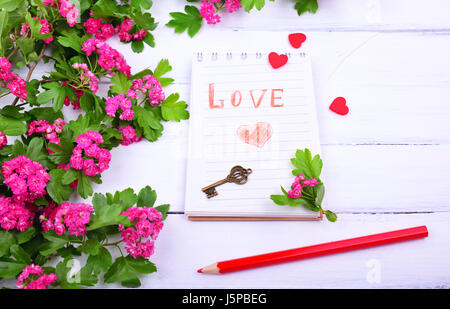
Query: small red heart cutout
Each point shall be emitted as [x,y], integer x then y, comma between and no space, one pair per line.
[297,39]
[339,106]
[276,60]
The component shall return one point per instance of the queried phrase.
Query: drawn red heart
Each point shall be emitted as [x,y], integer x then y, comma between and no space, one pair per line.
[256,135]
[339,106]
[297,39]
[276,60]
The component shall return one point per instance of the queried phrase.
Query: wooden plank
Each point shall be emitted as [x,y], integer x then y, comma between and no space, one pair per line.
[343,15]
[185,246]
[371,178]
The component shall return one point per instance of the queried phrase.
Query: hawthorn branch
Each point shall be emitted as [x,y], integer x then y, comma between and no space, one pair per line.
[31,69]
[12,52]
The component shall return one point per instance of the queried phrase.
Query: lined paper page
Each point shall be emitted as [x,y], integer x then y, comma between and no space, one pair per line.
[244,112]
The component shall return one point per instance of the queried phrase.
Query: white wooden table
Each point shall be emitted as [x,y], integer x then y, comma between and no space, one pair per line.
[386,162]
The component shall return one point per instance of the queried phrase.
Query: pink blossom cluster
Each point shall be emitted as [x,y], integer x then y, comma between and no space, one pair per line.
[13,82]
[66,10]
[113,104]
[299,183]
[51,130]
[78,94]
[87,153]
[208,9]
[27,179]
[45,28]
[36,272]
[87,76]
[16,214]
[103,31]
[140,238]
[73,216]
[3,140]
[110,59]
[147,85]
[129,135]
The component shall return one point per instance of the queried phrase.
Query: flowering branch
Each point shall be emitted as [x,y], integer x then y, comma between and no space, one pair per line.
[307,188]
[54,159]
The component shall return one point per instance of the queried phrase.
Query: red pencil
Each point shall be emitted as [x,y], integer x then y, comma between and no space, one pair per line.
[315,250]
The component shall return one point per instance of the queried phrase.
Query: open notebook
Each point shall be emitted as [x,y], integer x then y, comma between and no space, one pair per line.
[244,112]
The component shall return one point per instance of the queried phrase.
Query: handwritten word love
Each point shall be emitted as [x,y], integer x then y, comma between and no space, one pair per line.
[236,98]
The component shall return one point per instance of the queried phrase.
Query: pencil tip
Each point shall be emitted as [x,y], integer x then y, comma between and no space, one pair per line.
[200,270]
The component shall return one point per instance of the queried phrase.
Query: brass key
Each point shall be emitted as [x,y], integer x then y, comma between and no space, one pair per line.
[238,175]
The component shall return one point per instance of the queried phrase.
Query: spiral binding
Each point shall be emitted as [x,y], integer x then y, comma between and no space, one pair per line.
[229,55]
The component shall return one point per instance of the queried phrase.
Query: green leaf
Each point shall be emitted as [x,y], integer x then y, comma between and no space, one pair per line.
[84,186]
[25,236]
[331,216]
[127,197]
[303,6]
[137,46]
[63,269]
[162,68]
[106,213]
[87,102]
[56,93]
[146,197]
[12,127]
[45,113]
[149,39]
[250,4]
[125,270]
[10,268]
[58,191]
[141,265]
[35,149]
[54,242]
[61,153]
[149,120]
[279,199]
[100,262]
[69,176]
[20,255]
[144,4]
[164,209]
[120,83]
[71,40]
[144,20]
[172,109]
[10,5]
[105,8]
[191,21]
[6,241]
[320,194]
[91,247]
[305,164]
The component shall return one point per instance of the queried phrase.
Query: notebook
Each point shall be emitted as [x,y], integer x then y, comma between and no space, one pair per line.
[244,112]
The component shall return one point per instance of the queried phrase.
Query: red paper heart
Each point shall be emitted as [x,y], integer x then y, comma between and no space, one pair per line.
[339,106]
[256,135]
[276,60]
[297,39]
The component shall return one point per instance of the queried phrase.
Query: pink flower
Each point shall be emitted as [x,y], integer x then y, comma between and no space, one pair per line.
[147,225]
[208,12]
[16,214]
[87,77]
[310,182]
[27,179]
[33,277]
[233,5]
[129,135]
[88,156]
[3,140]
[113,104]
[72,216]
